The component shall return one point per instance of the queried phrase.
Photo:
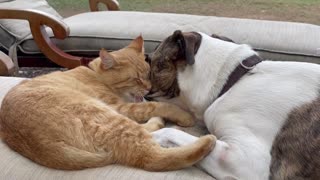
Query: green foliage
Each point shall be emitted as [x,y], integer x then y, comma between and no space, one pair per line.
[61,4]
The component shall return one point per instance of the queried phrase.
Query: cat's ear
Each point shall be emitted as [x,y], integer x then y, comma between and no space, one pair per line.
[138,44]
[107,60]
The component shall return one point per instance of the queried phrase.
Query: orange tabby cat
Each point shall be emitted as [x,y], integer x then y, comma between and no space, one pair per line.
[86,117]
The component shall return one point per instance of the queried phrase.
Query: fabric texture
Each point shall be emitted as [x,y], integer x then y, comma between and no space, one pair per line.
[15,166]
[113,30]
[4,1]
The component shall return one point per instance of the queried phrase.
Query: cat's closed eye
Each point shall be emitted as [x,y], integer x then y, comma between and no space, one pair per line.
[138,81]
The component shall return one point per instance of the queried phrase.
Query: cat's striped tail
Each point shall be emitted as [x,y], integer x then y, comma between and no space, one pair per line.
[151,156]
[164,159]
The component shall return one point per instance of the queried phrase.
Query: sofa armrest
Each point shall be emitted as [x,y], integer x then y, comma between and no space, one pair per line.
[112,5]
[6,65]
[37,21]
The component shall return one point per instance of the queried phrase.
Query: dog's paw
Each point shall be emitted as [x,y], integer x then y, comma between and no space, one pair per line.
[162,137]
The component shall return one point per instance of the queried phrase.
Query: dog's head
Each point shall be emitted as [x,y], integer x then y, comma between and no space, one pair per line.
[175,52]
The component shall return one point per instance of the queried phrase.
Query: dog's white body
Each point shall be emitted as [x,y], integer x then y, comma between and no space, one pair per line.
[246,118]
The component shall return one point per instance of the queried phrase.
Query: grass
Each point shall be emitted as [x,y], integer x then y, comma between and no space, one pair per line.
[282,10]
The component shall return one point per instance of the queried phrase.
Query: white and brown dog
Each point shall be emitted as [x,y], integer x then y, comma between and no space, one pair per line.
[246,103]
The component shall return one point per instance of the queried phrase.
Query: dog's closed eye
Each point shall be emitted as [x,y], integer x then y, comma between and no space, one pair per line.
[147,58]
[161,66]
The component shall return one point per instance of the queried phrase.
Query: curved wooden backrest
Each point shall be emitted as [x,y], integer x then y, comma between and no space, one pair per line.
[38,20]
[112,5]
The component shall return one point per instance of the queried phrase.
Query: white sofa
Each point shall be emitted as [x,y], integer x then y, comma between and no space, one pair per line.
[112,30]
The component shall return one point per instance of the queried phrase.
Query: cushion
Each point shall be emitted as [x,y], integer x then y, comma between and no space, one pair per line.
[113,30]
[6,65]
[12,30]
[15,166]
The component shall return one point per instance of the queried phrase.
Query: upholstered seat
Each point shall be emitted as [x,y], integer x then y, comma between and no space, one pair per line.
[112,30]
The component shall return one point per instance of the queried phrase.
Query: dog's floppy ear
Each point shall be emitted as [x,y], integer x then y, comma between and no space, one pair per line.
[188,44]
[222,38]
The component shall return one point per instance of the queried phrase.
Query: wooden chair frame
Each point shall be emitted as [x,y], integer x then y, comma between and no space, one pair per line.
[6,65]
[38,20]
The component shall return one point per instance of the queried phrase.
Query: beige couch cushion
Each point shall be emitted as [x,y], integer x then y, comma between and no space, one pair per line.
[15,30]
[113,30]
[15,166]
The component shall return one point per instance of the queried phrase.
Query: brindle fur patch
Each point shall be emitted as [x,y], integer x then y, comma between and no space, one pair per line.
[296,149]
[169,56]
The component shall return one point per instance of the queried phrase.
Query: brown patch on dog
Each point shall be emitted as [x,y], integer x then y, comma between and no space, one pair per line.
[296,149]
[222,38]
[174,53]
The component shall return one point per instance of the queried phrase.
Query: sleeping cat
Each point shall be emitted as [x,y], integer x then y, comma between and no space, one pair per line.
[87,117]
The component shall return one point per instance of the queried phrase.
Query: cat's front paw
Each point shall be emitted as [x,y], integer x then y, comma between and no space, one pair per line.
[186,120]
[154,124]
[181,117]
[176,115]
[157,122]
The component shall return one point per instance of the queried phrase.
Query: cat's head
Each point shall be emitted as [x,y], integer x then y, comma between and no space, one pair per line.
[125,71]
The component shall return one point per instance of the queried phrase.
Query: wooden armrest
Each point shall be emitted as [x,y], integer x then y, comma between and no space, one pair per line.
[112,5]
[38,20]
[6,65]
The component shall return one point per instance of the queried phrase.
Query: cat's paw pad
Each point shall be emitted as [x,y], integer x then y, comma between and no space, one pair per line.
[157,121]
[186,120]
